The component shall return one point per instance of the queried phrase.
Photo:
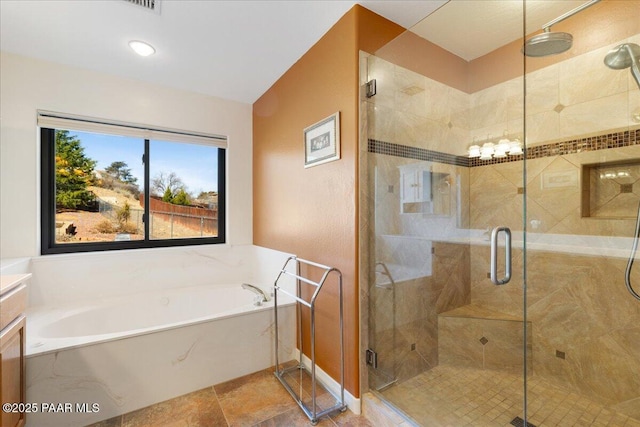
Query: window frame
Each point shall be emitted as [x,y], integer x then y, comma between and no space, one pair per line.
[48,243]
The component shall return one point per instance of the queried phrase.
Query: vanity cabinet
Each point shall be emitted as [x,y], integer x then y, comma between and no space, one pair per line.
[415,184]
[424,191]
[13,303]
[415,189]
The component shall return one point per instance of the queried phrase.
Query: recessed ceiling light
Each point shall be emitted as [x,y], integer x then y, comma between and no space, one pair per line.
[142,48]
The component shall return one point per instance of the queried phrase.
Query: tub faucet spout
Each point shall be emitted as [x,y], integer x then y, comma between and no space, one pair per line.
[262,297]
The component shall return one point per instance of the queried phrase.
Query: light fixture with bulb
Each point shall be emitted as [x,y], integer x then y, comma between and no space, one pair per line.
[487,151]
[615,174]
[142,48]
[503,147]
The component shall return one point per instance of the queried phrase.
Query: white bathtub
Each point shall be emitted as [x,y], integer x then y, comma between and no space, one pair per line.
[124,353]
[127,316]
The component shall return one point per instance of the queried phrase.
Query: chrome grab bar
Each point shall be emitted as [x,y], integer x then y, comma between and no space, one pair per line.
[494,256]
[387,273]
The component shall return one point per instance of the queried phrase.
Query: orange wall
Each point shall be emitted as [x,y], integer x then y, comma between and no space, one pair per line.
[313,212]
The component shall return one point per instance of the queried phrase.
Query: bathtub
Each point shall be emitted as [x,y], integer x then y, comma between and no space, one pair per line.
[127,352]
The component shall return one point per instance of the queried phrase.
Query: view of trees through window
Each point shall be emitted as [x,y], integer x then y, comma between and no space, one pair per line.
[100,194]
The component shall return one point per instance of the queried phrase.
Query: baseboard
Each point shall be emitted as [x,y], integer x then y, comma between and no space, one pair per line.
[353,403]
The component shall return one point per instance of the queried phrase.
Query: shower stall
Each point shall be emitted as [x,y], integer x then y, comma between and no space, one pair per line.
[499,201]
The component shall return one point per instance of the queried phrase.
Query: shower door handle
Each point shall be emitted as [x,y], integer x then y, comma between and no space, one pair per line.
[494,255]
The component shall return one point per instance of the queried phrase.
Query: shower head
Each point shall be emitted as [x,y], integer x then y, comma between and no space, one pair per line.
[622,56]
[626,55]
[547,43]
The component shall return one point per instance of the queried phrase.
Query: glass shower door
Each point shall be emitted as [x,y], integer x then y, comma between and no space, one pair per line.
[582,115]
[446,346]
[464,133]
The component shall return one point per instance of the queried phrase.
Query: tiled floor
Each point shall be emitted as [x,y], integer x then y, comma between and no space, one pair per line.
[254,400]
[442,397]
[457,397]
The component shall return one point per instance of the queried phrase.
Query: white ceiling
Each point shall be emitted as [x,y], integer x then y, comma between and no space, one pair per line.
[472,28]
[237,49]
[230,49]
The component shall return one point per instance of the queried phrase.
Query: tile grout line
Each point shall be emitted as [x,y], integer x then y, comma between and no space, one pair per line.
[215,393]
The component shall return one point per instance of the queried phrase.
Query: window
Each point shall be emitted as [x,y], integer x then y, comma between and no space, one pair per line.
[111,186]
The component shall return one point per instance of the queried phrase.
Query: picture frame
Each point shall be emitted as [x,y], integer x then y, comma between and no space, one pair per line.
[322,141]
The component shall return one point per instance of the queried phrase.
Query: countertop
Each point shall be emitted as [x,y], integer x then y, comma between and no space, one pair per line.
[10,281]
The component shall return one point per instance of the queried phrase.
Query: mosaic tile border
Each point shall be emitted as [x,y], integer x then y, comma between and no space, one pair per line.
[593,143]
[398,150]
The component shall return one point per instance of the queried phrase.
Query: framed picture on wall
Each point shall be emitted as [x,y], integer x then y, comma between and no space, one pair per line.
[322,141]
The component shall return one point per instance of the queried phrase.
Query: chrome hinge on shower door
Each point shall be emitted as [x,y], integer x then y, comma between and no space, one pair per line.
[370,88]
[371,357]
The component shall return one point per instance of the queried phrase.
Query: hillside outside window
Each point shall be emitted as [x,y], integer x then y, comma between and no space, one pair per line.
[111,186]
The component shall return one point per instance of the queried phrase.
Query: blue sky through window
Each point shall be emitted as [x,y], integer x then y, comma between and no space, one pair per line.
[196,165]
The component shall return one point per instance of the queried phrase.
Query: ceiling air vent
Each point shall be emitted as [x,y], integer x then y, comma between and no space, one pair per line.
[151,5]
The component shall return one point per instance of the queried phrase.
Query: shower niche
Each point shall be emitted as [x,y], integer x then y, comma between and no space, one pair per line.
[423,191]
[611,190]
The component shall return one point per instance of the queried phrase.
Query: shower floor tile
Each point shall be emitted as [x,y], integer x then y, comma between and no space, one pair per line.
[456,397]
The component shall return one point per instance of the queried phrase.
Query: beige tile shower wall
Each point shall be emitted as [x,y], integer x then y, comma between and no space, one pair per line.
[577,305]
[413,110]
[384,176]
[496,110]
[580,96]
[404,317]
[483,343]
[551,208]
[580,306]
[576,97]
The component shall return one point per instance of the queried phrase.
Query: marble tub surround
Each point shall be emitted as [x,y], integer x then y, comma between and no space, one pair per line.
[124,370]
[90,276]
[14,266]
[128,374]
[93,322]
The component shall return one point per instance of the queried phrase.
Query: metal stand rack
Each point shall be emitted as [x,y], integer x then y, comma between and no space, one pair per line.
[310,410]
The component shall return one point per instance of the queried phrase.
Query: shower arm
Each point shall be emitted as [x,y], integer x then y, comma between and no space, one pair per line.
[547,27]
[635,68]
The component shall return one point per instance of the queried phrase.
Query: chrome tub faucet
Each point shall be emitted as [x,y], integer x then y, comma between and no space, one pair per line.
[261,295]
